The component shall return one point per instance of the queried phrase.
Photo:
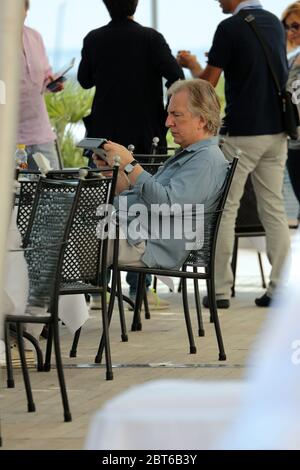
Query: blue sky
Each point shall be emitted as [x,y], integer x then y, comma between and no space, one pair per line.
[186,24]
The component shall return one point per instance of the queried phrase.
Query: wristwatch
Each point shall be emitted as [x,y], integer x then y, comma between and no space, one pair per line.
[130,166]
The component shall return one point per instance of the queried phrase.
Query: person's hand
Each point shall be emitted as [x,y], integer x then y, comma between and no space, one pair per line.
[59,84]
[112,150]
[187,60]
[101,164]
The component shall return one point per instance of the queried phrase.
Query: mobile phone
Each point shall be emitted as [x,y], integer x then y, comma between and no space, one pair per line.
[52,85]
[95,145]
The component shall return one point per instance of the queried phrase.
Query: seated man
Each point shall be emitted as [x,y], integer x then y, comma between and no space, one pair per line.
[194,175]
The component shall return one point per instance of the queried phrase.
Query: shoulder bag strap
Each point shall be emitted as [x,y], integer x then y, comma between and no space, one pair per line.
[250,19]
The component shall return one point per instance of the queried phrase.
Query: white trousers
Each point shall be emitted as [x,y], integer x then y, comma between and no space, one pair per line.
[264,157]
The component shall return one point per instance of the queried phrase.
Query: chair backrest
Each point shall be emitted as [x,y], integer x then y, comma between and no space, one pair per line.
[28,181]
[150,158]
[204,256]
[25,203]
[85,248]
[46,237]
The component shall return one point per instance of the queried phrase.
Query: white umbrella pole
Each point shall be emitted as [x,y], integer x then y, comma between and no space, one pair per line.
[10,39]
[154,12]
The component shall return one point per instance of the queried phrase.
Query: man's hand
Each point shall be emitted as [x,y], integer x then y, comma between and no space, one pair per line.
[189,61]
[112,150]
[101,164]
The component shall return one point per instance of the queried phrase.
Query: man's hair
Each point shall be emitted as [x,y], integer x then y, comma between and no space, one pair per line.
[27,4]
[121,8]
[203,101]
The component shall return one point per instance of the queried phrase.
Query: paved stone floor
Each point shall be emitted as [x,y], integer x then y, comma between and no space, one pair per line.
[159,351]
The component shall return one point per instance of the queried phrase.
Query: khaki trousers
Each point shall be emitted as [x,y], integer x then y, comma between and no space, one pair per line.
[264,157]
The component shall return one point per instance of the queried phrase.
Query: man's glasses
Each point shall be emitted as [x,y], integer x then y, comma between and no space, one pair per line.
[292,27]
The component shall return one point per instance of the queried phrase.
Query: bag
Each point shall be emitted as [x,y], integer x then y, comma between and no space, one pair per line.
[290,115]
[289,110]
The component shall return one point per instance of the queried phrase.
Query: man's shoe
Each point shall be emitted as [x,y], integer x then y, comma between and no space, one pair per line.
[155,302]
[221,303]
[263,301]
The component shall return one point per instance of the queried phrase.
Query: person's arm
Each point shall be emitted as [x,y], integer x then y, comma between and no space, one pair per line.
[163,60]
[219,56]
[85,74]
[209,73]
[124,181]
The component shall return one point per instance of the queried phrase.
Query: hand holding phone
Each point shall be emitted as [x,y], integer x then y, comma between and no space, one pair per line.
[56,85]
[95,145]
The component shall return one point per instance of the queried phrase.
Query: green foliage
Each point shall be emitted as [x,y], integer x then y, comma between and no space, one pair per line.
[66,109]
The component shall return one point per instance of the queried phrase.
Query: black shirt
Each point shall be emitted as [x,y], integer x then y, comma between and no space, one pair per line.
[126,62]
[252,101]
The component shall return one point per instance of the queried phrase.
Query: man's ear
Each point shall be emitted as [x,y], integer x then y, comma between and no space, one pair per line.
[202,123]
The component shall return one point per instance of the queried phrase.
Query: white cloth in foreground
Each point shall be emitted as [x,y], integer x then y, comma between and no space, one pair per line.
[261,413]
[15,275]
[270,414]
[166,414]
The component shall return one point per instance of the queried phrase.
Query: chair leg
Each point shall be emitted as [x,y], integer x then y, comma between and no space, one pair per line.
[124,335]
[137,323]
[263,281]
[30,402]
[60,373]
[201,331]
[47,365]
[73,350]
[234,263]
[105,325]
[179,286]
[214,315]
[208,287]
[187,317]
[38,351]
[9,368]
[154,283]
[116,283]
[146,305]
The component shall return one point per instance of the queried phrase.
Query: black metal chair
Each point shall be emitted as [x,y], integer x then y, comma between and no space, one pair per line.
[81,266]
[101,193]
[201,258]
[44,245]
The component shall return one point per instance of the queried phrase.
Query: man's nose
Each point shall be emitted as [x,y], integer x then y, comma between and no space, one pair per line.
[169,121]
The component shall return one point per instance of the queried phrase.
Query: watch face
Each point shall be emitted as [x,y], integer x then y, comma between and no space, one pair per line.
[130,166]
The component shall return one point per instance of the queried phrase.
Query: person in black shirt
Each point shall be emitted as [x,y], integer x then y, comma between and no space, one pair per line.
[253,123]
[126,62]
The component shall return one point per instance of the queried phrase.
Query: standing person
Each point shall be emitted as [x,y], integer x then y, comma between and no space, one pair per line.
[34,127]
[126,62]
[253,123]
[291,22]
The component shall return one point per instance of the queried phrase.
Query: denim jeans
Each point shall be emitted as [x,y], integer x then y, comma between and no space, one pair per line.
[132,281]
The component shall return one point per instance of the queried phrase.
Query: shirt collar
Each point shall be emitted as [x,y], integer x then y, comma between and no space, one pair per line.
[195,148]
[248,4]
